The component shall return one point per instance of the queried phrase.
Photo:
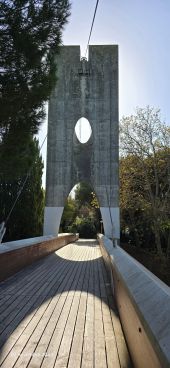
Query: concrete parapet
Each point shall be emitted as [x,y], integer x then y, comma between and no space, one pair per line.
[143,302]
[17,254]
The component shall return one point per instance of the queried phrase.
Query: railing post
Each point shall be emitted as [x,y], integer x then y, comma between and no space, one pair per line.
[2,230]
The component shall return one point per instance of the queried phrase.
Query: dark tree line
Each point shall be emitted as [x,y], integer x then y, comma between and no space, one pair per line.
[30,35]
[26,219]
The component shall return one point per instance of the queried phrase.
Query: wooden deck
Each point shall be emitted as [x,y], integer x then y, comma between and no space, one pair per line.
[60,312]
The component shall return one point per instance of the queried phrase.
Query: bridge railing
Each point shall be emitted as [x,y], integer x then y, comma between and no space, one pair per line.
[143,302]
[17,254]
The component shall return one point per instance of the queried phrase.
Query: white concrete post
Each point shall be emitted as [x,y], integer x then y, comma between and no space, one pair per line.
[52,218]
[111,231]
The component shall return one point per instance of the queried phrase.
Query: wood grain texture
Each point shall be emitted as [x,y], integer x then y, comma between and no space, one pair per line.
[60,312]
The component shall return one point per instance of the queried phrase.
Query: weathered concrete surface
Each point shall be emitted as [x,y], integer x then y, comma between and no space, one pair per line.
[143,302]
[52,217]
[84,89]
[17,254]
[111,221]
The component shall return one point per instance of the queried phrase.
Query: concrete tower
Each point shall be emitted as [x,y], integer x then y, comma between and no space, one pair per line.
[86,89]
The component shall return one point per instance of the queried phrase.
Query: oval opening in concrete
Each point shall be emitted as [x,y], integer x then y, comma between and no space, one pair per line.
[83,130]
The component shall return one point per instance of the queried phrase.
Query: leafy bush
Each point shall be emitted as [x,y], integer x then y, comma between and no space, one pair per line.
[85,228]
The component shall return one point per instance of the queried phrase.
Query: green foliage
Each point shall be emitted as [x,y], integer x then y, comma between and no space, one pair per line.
[85,227]
[26,220]
[83,194]
[30,33]
[135,209]
[81,214]
[144,177]
[69,214]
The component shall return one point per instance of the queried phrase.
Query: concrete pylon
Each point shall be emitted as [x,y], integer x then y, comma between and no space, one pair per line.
[86,89]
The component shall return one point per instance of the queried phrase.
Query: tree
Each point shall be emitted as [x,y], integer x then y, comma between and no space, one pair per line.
[30,32]
[147,139]
[134,206]
[26,220]
[81,214]
[87,204]
[83,194]
[130,202]
[85,227]
[69,214]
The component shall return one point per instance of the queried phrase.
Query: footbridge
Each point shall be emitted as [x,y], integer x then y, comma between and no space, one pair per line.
[69,302]
[65,302]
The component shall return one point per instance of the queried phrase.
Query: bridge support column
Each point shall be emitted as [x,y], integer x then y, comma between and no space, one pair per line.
[85,89]
[52,218]
[111,222]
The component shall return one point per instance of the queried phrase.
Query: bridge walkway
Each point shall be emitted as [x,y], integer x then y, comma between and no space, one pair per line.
[60,312]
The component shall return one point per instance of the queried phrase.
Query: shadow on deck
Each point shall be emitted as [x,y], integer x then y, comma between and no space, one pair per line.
[60,312]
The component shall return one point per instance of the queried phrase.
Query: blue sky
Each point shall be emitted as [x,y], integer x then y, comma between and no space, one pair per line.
[142,31]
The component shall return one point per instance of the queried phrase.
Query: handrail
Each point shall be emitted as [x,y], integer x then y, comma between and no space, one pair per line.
[143,302]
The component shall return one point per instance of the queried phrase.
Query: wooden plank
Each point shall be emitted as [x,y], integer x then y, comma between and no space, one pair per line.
[42,346]
[10,294]
[23,303]
[16,281]
[122,350]
[77,343]
[36,279]
[13,284]
[100,353]
[36,304]
[61,323]
[25,288]
[110,339]
[69,319]
[23,277]
[18,258]
[88,338]
[58,269]
[20,338]
[73,328]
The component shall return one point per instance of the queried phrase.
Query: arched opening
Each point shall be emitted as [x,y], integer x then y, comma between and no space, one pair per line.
[83,130]
[82,212]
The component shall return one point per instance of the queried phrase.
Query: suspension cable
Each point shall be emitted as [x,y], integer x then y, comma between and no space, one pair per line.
[92,26]
[23,185]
